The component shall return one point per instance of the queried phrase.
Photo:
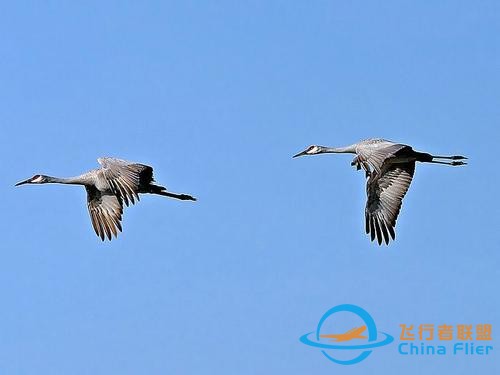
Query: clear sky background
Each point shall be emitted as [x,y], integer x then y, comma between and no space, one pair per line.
[217,97]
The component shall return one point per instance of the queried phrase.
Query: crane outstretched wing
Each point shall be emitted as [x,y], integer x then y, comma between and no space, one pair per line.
[105,212]
[385,194]
[126,178]
[376,156]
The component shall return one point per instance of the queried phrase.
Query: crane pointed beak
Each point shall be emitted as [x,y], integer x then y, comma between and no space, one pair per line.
[299,154]
[23,182]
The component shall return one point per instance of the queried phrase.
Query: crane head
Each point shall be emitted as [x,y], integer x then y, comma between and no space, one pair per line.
[36,179]
[311,150]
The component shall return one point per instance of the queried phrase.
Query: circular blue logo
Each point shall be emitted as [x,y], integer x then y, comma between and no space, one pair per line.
[373,339]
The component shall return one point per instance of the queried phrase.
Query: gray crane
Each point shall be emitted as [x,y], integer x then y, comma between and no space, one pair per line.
[108,187]
[389,169]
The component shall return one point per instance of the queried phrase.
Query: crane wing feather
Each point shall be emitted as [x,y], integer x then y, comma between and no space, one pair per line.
[126,178]
[376,153]
[385,194]
[105,212]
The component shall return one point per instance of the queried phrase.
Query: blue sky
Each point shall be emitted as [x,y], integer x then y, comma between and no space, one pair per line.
[217,96]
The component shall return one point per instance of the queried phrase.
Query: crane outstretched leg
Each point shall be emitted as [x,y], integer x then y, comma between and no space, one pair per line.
[456,160]
[428,158]
[184,197]
[453,163]
[160,190]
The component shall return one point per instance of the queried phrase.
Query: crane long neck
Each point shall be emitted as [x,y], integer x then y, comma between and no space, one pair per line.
[77,180]
[340,150]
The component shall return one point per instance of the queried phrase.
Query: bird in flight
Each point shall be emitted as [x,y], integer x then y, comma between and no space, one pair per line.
[389,169]
[116,182]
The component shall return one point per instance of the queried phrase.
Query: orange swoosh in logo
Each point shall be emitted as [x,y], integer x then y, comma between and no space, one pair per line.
[355,333]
